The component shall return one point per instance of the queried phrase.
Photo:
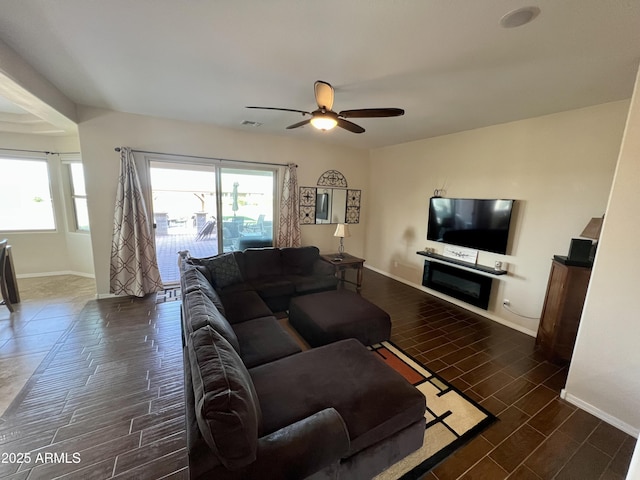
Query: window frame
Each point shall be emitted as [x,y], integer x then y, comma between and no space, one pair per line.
[68,164]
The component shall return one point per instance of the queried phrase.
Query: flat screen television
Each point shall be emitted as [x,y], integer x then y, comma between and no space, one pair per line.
[474,223]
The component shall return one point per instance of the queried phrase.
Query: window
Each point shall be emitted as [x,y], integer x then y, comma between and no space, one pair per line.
[79,196]
[25,195]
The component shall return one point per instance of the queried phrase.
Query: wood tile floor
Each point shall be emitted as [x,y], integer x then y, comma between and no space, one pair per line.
[538,435]
[107,401]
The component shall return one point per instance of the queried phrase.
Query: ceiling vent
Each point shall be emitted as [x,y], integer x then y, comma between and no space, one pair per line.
[249,123]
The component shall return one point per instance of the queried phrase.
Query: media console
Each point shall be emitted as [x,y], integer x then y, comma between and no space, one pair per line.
[445,275]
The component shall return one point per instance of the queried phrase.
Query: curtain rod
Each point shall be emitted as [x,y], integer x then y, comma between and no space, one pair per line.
[38,151]
[117,149]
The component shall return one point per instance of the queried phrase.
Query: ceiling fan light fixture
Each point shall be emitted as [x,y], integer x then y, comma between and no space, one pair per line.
[324,118]
[324,122]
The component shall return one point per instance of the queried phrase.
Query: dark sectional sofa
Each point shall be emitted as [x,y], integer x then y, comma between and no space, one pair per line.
[257,406]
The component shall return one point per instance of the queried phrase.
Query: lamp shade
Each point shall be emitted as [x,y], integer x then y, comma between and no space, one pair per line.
[342,230]
[592,230]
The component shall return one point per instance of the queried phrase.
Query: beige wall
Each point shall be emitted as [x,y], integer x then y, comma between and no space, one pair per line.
[559,167]
[102,130]
[604,376]
[47,253]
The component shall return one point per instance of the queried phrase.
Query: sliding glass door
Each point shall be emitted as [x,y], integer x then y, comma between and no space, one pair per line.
[184,213]
[247,197]
[207,209]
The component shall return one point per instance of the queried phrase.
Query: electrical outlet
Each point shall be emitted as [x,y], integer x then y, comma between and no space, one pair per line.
[506,302]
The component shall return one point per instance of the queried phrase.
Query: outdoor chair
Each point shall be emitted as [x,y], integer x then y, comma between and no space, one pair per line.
[207,230]
[257,227]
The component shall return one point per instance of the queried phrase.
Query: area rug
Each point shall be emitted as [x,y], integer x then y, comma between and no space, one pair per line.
[452,418]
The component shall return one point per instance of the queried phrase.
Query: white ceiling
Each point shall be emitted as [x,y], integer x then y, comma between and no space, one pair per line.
[448,63]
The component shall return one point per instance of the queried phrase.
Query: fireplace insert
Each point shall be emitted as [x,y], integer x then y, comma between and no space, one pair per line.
[469,287]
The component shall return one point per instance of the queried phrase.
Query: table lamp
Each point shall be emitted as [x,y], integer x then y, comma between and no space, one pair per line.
[342,231]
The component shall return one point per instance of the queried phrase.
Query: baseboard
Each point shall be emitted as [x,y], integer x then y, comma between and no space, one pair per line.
[100,296]
[458,303]
[596,412]
[53,274]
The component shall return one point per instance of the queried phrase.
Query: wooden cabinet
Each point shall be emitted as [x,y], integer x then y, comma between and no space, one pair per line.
[562,309]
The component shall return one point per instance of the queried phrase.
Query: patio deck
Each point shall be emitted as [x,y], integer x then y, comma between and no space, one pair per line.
[181,238]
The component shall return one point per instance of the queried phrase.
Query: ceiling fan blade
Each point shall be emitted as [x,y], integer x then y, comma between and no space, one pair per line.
[352,127]
[371,113]
[299,124]
[282,109]
[324,94]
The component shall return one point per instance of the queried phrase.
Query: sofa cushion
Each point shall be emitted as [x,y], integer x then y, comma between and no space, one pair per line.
[270,286]
[259,262]
[263,340]
[236,287]
[227,408]
[306,284]
[299,260]
[244,305]
[373,399]
[193,278]
[202,312]
[200,265]
[205,271]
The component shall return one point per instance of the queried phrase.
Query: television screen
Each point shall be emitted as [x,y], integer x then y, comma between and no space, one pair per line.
[473,223]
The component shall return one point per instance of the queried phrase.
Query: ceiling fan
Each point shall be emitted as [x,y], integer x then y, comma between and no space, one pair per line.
[324,118]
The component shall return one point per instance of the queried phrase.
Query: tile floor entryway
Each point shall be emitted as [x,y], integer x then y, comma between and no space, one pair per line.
[49,306]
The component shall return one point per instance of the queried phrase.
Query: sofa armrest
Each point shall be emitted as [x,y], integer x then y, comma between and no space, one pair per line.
[320,267]
[302,448]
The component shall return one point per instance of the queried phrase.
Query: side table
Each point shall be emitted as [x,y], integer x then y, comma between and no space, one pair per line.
[341,265]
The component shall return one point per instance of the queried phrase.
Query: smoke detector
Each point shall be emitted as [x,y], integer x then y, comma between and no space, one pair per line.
[519,17]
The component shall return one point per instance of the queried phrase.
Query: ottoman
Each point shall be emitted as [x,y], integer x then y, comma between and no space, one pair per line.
[327,317]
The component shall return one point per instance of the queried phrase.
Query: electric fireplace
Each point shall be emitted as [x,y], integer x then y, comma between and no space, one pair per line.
[469,287]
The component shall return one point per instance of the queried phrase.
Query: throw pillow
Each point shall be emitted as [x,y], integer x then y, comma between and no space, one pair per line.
[224,270]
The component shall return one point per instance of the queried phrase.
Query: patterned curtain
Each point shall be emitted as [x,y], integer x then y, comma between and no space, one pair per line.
[289,227]
[134,268]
